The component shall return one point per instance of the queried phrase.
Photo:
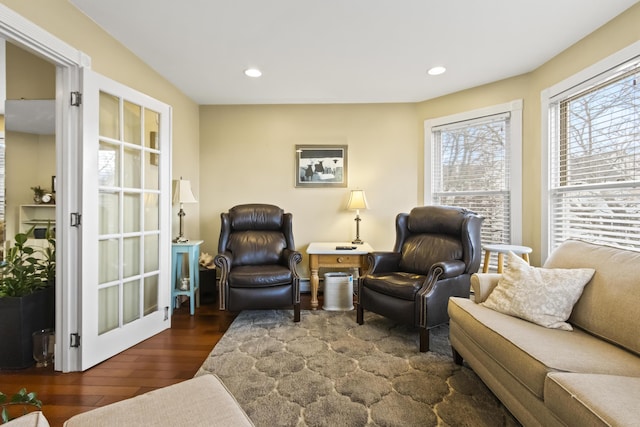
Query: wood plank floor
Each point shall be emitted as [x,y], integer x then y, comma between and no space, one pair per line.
[167,358]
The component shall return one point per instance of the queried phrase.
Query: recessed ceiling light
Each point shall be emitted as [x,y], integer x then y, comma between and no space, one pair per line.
[436,71]
[252,72]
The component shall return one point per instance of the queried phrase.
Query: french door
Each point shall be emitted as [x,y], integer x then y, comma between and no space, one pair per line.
[125,218]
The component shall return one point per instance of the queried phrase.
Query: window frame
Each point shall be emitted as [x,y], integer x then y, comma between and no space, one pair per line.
[514,108]
[567,87]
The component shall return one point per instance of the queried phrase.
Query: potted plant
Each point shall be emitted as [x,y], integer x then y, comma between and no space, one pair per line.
[27,300]
[21,400]
[38,192]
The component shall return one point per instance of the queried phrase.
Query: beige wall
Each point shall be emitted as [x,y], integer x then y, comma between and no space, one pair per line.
[248,156]
[33,167]
[113,60]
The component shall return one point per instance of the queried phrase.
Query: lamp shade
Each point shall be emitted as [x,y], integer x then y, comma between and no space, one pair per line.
[357,200]
[183,193]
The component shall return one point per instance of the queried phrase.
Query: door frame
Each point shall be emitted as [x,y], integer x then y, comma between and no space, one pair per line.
[68,60]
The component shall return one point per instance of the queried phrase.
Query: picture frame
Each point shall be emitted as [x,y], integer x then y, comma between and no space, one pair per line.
[153,144]
[321,166]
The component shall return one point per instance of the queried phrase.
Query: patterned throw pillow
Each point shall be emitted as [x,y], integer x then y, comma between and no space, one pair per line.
[544,296]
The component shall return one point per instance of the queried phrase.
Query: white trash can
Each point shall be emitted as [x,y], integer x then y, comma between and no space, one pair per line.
[338,292]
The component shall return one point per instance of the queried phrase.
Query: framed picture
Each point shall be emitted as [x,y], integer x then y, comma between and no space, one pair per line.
[153,144]
[321,166]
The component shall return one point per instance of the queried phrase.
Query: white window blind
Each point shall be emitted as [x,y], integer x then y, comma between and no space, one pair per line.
[471,168]
[594,170]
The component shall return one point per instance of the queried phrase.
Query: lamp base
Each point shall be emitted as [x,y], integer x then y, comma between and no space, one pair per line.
[357,242]
[180,239]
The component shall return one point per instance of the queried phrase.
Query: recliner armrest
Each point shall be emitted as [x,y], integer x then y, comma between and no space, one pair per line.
[483,284]
[446,269]
[380,262]
[293,258]
[224,261]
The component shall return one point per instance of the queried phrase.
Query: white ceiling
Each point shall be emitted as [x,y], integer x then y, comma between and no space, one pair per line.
[344,51]
[31,116]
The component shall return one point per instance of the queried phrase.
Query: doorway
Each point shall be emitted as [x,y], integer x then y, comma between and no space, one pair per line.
[30,146]
[79,142]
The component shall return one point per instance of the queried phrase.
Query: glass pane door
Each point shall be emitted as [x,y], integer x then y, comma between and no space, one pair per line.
[126,295]
[128,214]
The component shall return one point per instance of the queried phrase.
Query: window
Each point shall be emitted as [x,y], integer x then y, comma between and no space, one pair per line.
[594,160]
[473,160]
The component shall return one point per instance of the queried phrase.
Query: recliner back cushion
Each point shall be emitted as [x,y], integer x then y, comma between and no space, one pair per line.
[609,305]
[256,247]
[421,251]
[256,217]
[436,219]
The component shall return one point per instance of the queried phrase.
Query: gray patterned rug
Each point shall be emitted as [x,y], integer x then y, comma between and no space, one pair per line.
[329,371]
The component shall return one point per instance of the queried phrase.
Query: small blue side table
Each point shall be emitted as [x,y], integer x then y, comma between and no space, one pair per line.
[192,249]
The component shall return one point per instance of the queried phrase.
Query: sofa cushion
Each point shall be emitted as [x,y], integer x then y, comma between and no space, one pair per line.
[540,295]
[610,304]
[529,352]
[592,399]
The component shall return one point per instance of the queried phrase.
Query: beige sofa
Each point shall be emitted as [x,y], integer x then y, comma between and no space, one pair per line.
[201,401]
[548,377]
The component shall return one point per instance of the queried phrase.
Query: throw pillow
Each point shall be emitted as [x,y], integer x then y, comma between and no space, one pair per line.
[544,296]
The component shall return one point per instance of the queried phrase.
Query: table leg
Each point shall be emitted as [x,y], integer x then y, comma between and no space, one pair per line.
[315,280]
[525,256]
[500,261]
[487,257]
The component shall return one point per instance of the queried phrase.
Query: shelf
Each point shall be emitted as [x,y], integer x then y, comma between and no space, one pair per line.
[37,215]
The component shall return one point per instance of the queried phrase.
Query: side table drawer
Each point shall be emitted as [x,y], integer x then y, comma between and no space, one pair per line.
[340,260]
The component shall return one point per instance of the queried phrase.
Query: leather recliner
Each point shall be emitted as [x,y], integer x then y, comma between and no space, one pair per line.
[437,249]
[257,260]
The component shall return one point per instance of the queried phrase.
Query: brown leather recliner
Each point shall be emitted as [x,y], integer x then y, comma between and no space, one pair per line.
[437,250]
[257,260]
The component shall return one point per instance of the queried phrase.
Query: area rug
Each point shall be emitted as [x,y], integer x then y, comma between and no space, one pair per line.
[329,371]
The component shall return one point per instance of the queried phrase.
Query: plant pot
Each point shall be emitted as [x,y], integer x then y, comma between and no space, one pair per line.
[20,317]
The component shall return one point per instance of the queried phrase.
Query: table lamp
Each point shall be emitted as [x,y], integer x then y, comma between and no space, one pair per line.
[182,194]
[357,201]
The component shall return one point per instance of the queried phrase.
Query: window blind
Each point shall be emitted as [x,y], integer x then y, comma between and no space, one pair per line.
[470,168]
[595,161]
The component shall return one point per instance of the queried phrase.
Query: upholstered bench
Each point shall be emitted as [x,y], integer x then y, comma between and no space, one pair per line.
[201,401]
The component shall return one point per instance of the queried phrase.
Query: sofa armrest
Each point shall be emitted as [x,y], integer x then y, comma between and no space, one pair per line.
[482,285]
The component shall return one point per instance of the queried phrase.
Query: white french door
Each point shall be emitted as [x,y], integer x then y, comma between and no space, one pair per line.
[125,218]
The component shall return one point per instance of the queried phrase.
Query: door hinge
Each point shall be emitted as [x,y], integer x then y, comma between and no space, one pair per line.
[166,313]
[74,340]
[76,219]
[76,99]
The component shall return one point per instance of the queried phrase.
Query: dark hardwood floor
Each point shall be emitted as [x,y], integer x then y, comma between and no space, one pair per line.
[167,358]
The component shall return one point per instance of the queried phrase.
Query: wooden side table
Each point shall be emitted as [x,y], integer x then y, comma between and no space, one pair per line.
[190,248]
[523,251]
[325,255]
